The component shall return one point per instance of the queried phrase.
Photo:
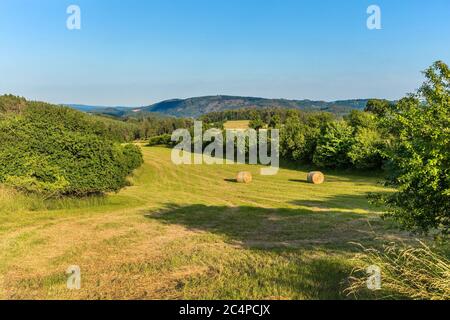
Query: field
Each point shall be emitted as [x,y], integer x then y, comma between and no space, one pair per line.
[192,232]
[236,125]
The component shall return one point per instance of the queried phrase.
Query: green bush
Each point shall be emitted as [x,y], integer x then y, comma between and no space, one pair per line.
[333,145]
[162,140]
[366,151]
[59,151]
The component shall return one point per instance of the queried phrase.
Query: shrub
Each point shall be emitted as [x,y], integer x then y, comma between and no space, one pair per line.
[162,140]
[59,151]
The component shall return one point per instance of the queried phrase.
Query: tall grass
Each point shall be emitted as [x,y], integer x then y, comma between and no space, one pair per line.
[12,200]
[418,273]
[15,201]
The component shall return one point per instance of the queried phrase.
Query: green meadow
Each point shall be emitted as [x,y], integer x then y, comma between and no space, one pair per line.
[192,232]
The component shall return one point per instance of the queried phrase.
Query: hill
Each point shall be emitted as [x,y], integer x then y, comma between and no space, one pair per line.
[110,111]
[198,106]
[195,107]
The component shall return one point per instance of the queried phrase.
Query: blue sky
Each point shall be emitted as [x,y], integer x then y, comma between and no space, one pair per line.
[137,52]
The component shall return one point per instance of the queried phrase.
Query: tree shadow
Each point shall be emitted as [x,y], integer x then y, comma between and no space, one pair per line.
[292,249]
[313,224]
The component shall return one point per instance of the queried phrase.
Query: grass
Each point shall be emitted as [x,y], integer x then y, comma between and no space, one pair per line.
[236,125]
[412,272]
[190,232]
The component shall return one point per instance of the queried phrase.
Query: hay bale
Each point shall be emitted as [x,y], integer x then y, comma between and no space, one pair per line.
[316,177]
[244,177]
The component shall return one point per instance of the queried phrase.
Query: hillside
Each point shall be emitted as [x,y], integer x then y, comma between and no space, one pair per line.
[172,236]
[110,111]
[195,107]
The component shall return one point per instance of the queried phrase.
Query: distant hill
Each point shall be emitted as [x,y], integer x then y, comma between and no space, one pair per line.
[111,111]
[195,107]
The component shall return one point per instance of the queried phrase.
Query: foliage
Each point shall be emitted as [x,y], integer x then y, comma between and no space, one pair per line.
[256,124]
[333,145]
[162,140]
[420,157]
[378,107]
[59,151]
[367,149]
[10,103]
[153,125]
[299,136]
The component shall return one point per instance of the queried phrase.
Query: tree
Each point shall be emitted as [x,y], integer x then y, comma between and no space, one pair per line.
[367,149]
[358,119]
[256,123]
[292,139]
[333,146]
[275,121]
[378,107]
[420,155]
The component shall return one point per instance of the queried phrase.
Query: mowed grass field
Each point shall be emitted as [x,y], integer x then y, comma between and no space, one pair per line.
[236,125]
[192,232]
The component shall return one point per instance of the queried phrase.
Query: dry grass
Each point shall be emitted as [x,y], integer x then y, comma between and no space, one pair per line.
[236,125]
[407,272]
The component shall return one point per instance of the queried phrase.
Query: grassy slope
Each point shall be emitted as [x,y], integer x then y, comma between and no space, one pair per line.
[191,232]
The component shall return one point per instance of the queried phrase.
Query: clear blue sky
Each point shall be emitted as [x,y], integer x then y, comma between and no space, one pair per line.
[136,52]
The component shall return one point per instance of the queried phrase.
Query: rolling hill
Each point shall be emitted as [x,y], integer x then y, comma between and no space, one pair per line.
[110,111]
[195,107]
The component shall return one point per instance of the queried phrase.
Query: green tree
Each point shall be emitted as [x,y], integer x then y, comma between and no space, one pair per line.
[367,149]
[358,119]
[420,156]
[334,145]
[275,121]
[292,139]
[378,107]
[256,123]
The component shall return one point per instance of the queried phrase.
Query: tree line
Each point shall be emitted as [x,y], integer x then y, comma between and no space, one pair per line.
[409,139]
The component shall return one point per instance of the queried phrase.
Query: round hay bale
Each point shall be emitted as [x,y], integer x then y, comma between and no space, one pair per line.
[244,177]
[316,177]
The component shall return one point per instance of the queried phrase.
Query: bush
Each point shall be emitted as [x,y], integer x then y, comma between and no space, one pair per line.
[162,140]
[59,151]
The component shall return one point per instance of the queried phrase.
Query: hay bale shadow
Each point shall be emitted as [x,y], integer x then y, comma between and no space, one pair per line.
[299,181]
